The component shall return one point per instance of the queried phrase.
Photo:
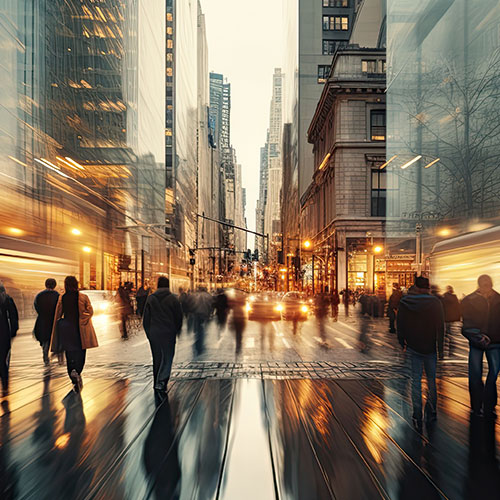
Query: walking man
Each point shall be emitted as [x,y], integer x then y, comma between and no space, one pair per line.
[45,306]
[203,308]
[452,314]
[162,322]
[481,326]
[420,328]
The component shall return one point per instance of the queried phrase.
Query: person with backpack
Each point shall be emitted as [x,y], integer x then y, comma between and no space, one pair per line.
[162,322]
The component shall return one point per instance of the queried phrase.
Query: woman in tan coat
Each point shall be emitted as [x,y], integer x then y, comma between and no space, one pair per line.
[73,332]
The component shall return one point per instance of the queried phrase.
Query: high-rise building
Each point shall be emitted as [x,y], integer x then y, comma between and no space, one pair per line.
[261,202]
[314,31]
[443,117]
[272,210]
[82,150]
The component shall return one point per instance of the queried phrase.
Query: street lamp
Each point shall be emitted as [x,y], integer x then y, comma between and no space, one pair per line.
[76,232]
[307,244]
[87,249]
[378,249]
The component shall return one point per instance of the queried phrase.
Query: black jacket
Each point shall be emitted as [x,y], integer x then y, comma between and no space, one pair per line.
[482,314]
[420,323]
[452,311]
[395,298]
[9,320]
[45,306]
[162,315]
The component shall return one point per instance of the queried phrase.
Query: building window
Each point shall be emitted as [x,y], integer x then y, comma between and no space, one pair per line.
[335,23]
[379,193]
[377,125]
[335,3]
[329,47]
[323,72]
[373,66]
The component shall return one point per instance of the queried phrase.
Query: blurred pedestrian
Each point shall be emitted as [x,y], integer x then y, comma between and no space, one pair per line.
[335,301]
[481,326]
[368,305]
[321,311]
[162,322]
[203,308]
[9,324]
[124,306]
[141,296]
[392,309]
[73,331]
[45,307]
[420,327]
[221,308]
[238,306]
[452,315]
[346,298]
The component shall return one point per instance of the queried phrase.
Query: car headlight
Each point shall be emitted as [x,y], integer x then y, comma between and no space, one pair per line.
[279,307]
[304,309]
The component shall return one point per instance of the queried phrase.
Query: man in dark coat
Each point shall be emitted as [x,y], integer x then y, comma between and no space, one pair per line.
[45,306]
[162,322]
[420,323]
[392,309]
[141,297]
[9,324]
[481,326]
[452,314]
[221,305]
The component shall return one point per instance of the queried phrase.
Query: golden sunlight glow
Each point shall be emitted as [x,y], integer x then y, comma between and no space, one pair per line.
[15,231]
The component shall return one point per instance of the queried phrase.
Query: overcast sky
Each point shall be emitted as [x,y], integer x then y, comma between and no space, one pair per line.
[245,44]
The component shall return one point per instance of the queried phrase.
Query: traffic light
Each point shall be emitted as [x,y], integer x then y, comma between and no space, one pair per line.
[248,255]
[192,261]
[255,255]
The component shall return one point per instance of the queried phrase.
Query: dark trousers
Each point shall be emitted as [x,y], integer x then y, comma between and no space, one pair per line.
[4,363]
[75,360]
[124,325]
[45,351]
[480,393]
[420,362]
[449,336]
[163,351]
[392,318]
[200,322]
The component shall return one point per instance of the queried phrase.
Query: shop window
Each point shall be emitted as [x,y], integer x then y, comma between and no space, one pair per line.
[377,125]
[323,72]
[379,193]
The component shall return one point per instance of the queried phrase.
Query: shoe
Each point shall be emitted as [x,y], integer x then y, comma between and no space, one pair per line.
[76,378]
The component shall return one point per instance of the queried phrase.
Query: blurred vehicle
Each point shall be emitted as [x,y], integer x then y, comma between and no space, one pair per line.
[263,306]
[460,260]
[294,306]
[103,301]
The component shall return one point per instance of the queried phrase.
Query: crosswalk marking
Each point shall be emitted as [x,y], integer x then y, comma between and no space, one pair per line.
[344,343]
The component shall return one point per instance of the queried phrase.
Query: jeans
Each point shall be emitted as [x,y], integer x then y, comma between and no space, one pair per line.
[420,362]
[483,394]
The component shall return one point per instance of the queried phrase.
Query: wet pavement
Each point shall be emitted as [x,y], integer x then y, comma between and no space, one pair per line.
[287,427]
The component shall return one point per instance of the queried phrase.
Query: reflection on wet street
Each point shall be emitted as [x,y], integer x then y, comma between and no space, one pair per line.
[238,439]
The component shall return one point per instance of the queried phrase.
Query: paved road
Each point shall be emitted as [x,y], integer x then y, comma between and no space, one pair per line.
[293,417]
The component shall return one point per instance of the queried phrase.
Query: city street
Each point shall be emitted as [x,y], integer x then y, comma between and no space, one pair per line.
[283,420]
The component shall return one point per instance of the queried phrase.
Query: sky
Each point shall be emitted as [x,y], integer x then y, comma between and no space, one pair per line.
[245,44]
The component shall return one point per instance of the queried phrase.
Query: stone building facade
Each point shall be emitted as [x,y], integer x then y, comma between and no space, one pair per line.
[343,210]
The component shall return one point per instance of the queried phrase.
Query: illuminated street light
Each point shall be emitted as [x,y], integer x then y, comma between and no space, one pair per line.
[76,231]
[378,249]
[387,162]
[432,163]
[15,231]
[444,232]
[307,244]
[411,162]
[283,270]
[87,249]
